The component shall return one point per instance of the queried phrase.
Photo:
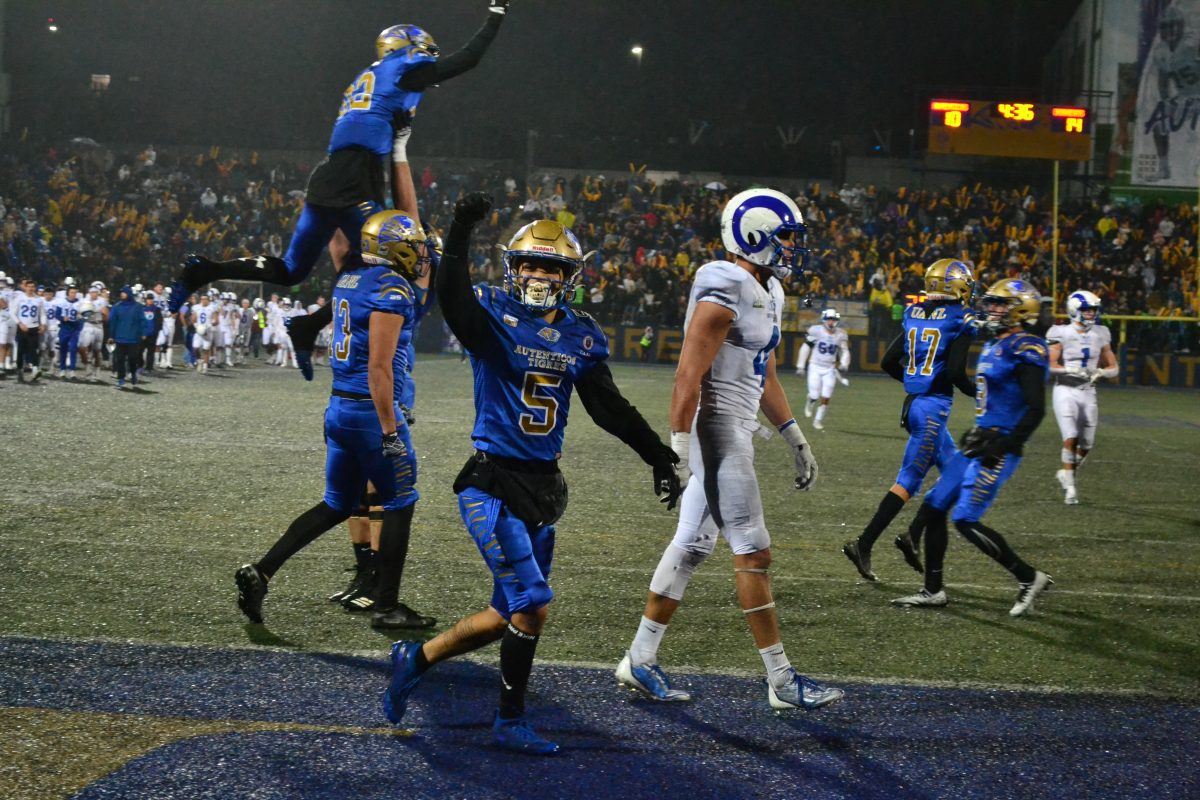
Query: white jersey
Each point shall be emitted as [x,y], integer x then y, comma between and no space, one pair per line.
[1180,66]
[826,346]
[205,314]
[1079,348]
[30,311]
[734,384]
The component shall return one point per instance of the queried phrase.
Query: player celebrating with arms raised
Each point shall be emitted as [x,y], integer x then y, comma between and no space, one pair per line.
[726,375]
[528,349]
[347,187]
[1080,355]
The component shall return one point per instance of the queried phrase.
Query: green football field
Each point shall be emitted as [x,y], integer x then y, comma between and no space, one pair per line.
[125,516]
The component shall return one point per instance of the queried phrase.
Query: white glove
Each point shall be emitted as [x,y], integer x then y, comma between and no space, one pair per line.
[498,6]
[680,443]
[400,145]
[806,463]
[1078,372]
[841,380]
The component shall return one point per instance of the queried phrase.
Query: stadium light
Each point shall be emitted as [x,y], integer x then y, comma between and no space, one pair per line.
[51,25]
[637,51]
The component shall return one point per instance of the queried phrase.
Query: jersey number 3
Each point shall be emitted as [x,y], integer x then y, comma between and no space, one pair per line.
[341,331]
[543,413]
[357,96]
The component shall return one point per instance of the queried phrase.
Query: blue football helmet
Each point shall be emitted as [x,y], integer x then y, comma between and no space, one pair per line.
[393,239]
[764,227]
[1080,301]
[416,43]
[542,241]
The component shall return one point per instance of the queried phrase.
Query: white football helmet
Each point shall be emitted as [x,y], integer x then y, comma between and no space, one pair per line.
[764,227]
[68,282]
[1080,301]
[830,317]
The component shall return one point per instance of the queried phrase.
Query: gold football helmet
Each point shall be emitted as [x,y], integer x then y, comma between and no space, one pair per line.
[399,37]
[393,239]
[1022,305]
[947,277]
[549,242]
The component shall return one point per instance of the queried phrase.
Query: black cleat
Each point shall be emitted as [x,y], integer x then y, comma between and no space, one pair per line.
[350,588]
[860,560]
[400,617]
[189,281]
[904,544]
[252,590]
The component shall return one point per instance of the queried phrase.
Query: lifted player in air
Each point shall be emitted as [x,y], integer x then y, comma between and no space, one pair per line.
[1080,355]
[726,375]
[347,187]
[930,358]
[1010,401]
[528,350]
[365,436]
[830,348]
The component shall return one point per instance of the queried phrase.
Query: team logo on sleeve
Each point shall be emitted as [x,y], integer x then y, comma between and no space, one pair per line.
[509,320]
[549,334]
[588,342]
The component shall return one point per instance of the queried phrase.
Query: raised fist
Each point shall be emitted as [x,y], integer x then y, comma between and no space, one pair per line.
[472,207]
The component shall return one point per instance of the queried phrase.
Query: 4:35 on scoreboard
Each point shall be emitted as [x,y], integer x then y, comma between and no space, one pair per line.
[1010,128]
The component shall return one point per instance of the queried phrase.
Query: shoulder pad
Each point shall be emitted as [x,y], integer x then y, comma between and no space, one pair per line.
[1031,349]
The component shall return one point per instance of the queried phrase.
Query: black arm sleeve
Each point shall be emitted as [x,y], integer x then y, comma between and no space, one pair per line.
[956,365]
[422,76]
[609,409]
[1033,389]
[893,359]
[467,320]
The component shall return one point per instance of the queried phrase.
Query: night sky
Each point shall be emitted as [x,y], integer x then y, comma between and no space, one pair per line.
[269,73]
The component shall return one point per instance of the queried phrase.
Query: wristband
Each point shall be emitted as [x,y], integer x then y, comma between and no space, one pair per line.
[791,433]
[681,444]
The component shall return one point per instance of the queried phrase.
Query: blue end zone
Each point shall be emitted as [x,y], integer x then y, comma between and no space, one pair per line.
[881,742]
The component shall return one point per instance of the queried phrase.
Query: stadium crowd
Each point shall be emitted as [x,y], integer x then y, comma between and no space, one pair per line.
[125,217]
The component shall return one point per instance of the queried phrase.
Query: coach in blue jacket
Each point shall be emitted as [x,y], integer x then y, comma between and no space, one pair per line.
[125,323]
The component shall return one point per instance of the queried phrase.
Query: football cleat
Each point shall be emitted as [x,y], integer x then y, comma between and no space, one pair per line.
[400,617]
[1028,592]
[908,549]
[517,734]
[809,405]
[360,598]
[923,599]
[187,282]
[1066,482]
[860,560]
[351,587]
[649,680]
[404,679]
[802,692]
[252,589]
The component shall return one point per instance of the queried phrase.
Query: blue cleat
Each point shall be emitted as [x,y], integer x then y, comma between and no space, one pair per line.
[186,283]
[516,734]
[404,679]
[650,680]
[802,692]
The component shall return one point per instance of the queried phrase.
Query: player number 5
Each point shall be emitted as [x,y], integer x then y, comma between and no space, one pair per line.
[544,409]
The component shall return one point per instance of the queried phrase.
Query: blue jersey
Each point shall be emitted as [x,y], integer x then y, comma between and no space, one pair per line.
[67,313]
[407,394]
[523,381]
[357,294]
[999,402]
[929,330]
[372,101]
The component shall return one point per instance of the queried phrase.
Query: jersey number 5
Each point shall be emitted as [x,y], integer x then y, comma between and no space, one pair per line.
[931,335]
[543,408]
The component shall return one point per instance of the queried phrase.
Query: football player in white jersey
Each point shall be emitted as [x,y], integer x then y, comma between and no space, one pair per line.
[8,324]
[830,351]
[1080,355]
[30,310]
[204,319]
[166,336]
[48,343]
[726,375]
[91,337]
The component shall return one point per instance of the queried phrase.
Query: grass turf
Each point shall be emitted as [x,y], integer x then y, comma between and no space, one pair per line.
[127,514]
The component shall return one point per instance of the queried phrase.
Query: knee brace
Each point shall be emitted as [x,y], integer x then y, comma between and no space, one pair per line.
[674,570]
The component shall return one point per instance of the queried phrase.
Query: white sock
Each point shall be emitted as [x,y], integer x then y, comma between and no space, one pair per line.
[779,669]
[821,412]
[644,649]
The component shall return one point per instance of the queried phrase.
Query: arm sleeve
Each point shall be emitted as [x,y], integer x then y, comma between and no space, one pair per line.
[609,409]
[422,76]
[893,359]
[466,318]
[1033,389]
[956,365]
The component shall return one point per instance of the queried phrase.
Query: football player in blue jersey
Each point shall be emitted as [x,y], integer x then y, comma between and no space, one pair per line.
[1010,402]
[347,187]
[528,349]
[366,436]
[930,358]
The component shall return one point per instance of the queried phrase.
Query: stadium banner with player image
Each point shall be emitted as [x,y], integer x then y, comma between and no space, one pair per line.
[1166,110]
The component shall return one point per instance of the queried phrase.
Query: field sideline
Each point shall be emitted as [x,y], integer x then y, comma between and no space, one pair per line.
[126,515]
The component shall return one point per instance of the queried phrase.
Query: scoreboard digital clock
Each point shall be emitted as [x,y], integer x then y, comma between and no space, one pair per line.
[1010,128]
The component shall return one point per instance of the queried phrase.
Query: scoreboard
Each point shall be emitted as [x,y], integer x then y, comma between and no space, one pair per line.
[1010,128]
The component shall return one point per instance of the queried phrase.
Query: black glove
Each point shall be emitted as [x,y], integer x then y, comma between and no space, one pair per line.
[472,207]
[393,447]
[410,418]
[989,446]
[498,6]
[666,478]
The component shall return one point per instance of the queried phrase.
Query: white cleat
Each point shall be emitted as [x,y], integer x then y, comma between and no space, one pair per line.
[1066,482]
[1029,592]
[802,692]
[1072,497]
[923,599]
[649,680]
[818,425]
[808,408]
